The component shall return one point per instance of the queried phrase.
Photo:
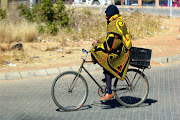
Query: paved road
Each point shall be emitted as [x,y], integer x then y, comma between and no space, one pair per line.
[30,99]
[152,10]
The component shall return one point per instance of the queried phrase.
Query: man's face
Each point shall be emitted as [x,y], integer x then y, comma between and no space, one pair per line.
[107,17]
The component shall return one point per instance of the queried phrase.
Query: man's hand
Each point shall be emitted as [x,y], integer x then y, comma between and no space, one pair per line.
[95,42]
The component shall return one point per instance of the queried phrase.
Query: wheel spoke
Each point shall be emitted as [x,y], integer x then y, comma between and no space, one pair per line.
[65,87]
[76,88]
[137,80]
[132,95]
[127,81]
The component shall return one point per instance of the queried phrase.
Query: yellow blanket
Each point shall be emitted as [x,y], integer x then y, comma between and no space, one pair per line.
[112,52]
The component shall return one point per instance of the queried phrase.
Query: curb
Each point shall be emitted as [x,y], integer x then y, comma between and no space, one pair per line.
[167,59]
[55,71]
[45,72]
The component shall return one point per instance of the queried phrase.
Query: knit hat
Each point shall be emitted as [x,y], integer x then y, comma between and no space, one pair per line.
[111,10]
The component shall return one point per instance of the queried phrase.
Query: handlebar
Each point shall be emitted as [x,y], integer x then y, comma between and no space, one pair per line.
[83,50]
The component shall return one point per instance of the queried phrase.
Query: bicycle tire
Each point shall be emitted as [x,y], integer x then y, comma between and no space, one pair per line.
[126,95]
[64,98]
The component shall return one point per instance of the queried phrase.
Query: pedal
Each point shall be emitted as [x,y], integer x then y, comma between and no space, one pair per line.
[101,92]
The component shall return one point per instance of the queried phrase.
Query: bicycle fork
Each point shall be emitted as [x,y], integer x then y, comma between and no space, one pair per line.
[76,77]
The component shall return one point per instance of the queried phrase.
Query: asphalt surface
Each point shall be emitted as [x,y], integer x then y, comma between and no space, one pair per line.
[30,99]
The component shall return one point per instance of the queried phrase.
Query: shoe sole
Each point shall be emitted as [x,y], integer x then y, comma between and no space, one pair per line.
[108,99]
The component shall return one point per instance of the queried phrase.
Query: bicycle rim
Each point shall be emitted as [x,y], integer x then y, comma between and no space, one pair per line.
[133,93]
[63,97]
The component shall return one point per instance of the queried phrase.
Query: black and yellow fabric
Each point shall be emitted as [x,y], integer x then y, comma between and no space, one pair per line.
[112,52]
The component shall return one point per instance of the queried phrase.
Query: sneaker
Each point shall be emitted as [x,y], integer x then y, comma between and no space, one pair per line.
[107,96]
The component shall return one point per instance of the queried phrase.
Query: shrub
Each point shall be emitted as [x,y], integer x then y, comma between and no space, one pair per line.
[142,25]
[50,17]
[2,14]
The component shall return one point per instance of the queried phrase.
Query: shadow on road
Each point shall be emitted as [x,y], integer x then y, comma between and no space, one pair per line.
[114,103]
[84,107]
[110,104]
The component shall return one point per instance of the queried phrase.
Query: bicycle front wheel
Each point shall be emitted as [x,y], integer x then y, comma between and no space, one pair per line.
[69,91]
[132,91]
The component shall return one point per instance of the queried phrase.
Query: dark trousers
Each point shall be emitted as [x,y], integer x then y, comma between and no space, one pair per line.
[108,77]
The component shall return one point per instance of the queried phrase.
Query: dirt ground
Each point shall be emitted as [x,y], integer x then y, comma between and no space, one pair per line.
[51,55]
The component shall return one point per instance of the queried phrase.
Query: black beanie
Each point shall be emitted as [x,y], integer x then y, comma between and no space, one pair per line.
[111,10]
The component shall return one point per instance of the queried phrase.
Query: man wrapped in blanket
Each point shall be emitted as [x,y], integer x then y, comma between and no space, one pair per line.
[112,52]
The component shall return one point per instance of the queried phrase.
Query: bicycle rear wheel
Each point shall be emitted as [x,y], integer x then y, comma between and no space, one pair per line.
[132,91]
[69,91]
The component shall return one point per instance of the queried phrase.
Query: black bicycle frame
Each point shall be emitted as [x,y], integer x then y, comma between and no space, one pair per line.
[82,67]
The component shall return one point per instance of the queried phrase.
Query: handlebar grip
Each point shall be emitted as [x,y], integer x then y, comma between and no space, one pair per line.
[83,50]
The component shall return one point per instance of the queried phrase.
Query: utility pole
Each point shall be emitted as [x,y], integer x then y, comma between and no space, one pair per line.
[126,2]
[101,7]
[31,3]
[170,8]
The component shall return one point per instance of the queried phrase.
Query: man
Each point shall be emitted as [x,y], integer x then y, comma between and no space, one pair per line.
[112,52]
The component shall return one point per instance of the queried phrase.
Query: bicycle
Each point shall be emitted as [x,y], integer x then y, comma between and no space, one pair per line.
[71,86]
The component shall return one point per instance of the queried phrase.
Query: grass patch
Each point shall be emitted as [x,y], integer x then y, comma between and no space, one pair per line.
[86,25]
[16,29]
[142,25]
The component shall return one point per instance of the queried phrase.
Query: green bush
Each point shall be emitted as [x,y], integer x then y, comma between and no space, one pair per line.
[2,14]
[48,16]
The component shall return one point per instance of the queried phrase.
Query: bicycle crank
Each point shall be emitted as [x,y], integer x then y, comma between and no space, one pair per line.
[102,91]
